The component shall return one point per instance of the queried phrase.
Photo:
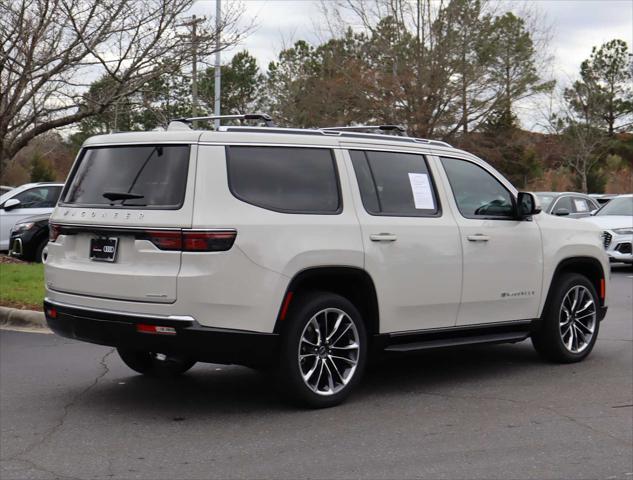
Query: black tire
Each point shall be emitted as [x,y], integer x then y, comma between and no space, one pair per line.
[39,251]
[154,364]
[548,339]
[302,311]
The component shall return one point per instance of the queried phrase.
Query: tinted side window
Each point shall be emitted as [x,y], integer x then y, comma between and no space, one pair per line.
[285,179]
[39,197]
[477,192]
[394,183]
[563,203]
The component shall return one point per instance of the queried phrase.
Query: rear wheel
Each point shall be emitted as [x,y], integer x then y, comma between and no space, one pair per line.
[39,252]
[570,322]
[155,364]
[324,350]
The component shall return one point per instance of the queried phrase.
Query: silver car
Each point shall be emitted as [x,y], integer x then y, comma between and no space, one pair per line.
[616,219]
[567,204]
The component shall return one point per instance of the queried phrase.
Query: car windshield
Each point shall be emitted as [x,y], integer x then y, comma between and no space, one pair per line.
[545,200]
[618,206]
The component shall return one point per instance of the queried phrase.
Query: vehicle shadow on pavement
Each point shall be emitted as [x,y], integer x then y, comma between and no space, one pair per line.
[217,389]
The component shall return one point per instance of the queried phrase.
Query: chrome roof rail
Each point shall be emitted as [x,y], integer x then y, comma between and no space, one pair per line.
[387,129]
[177,123]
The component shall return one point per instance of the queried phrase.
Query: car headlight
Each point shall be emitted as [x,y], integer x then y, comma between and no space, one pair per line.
[623,231]
[23,227]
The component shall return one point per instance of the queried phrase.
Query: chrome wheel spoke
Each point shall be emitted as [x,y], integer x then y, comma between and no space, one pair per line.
[305,340]
[308,375]
[317,329]
[586,315]
[348,360]
[585,307]
[337,324]
[583,328]
[338,339]
[351,346]
[330,377]
[338,372]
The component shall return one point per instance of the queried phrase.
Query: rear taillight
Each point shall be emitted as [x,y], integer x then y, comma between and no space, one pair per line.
[192,241]
[165,240]
[53,231]
[215,241]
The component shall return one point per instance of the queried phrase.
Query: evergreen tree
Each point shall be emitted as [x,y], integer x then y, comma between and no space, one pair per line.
[41,170]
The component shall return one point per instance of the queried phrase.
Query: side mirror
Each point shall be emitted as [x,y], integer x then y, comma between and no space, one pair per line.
[561,212]
[11,204]
[593,212]
[527,205]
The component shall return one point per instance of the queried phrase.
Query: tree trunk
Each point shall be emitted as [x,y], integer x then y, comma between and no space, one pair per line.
[583,179]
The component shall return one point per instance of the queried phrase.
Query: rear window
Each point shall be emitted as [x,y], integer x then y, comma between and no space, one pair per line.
[285,179]
[127,177]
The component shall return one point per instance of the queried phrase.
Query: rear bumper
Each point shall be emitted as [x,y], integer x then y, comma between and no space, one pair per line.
[205,344]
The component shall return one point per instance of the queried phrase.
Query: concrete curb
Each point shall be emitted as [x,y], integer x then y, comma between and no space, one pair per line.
[14,317]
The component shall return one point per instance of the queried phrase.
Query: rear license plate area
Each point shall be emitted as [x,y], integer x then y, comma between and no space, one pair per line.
[104,249]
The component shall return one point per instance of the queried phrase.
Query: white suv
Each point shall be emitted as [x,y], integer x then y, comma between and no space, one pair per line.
[308,250]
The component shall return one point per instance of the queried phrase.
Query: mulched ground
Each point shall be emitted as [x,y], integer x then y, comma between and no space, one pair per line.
[8,259]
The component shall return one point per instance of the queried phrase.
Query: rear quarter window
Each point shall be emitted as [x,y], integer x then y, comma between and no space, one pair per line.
[148,176]
[285,179]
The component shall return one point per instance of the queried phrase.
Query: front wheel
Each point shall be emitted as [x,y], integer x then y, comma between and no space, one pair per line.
[570,324]
[155,364]
[324,350]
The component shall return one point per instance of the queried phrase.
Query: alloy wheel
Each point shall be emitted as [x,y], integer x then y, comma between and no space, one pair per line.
[577,319]
[328,351]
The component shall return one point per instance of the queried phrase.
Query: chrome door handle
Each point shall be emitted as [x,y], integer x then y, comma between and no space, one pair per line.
[383,237]
[479,237]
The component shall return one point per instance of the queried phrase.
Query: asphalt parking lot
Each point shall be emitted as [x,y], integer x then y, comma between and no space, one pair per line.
[73,410]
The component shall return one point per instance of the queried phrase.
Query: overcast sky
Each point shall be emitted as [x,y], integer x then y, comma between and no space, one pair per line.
[578,25]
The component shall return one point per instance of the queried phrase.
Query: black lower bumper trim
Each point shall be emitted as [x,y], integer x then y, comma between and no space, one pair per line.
[205,344]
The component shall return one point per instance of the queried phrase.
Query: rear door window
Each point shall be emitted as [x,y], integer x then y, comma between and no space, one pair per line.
[148,176]
[285,179]
[394,184]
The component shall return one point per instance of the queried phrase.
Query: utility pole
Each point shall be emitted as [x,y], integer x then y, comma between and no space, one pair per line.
[218,66]
[193,23]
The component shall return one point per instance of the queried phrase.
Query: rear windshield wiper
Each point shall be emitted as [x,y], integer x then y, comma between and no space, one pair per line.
[113,196]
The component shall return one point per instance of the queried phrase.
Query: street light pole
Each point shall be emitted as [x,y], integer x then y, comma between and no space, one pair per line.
[218,67]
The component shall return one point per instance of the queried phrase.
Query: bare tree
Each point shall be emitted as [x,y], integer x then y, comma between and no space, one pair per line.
[51,50]
[585,144]
[439,63]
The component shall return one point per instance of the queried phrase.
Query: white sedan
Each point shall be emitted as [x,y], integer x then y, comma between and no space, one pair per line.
[616,220]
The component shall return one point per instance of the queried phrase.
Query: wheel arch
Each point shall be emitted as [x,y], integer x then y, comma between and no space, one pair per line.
[353,283]
[589,267]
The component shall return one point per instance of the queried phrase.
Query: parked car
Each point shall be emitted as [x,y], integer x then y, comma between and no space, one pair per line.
[25,201]
[603,198]
[305,250]
[29,238]
[5,189]
[567,204]
[616,219]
